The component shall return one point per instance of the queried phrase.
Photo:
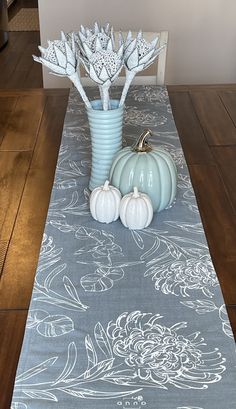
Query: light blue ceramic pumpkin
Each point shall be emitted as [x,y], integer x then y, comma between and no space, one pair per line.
[152,170]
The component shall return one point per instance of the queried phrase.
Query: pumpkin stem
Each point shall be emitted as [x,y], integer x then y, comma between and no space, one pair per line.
[106,185]
[142,144]
[136,192]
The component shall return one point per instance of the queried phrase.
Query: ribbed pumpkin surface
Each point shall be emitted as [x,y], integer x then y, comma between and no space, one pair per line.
[153,173]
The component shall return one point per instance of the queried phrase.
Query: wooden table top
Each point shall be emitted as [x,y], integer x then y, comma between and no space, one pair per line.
[31,123]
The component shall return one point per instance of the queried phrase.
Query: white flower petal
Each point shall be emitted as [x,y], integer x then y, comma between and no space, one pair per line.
[129,49]
[93,75]
[140,35]
[96,28]
[98,45]
[133,59]
[88,32]
[154,42]
[42,50]
[63,36]
[82,30]
[87,50]
[129,37]
[61,58]
[37,59]
[70,69]
[109,45]
[82,37]
[120,39]
[116,74]
[107,28]
[104,76]
[120,52]
[70,55]
[55,68]
[147,57]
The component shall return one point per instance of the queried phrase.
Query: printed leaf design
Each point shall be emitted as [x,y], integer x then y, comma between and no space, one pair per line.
[57,270]
[65,184]
[182,240]
[152,250]
[88,393]
[138,239]
[173,250]
[63,227]
[227,329]
[101,368]
[191,228]
[102,340]
[70,363]
[189,407]
[91,353]
[200,306]
[18,405]
[102,279]
[71,290]
[35,317]
[36,394]
[193,208]
[55,326]
[43,366]
[225,322]
[61,302]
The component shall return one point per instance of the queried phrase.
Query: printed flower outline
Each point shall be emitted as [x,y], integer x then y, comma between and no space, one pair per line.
[183,275]
[161,356]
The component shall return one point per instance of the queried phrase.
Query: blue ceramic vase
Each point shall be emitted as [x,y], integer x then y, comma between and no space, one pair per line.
[106,139]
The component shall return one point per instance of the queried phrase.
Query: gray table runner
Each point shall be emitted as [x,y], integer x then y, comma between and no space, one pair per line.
[119,318]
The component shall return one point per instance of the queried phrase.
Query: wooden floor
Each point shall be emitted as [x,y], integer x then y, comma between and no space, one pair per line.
[30,132]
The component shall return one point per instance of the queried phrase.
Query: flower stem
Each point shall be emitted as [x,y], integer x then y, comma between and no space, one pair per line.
[105,98]
[77,83]
[129,78]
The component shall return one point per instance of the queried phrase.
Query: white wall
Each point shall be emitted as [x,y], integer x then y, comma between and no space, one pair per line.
[202,42]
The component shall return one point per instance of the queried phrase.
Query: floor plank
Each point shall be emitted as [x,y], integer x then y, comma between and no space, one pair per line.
[13,170]
[16,62]
[12,324]
[229,100]
[217,125]
[3,252]
[6,107]
[226,160]
[21,134]
[191,135]
[219,224]
[16,284]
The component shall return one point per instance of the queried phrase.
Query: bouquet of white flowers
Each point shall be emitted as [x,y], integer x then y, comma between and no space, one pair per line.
[95,49]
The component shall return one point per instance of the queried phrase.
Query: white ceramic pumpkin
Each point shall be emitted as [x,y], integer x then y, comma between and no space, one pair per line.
[105,203]
[136,211]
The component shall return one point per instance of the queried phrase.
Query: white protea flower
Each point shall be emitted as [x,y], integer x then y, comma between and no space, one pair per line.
[139,54]
[88,38]
[61,58]
[103,66]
